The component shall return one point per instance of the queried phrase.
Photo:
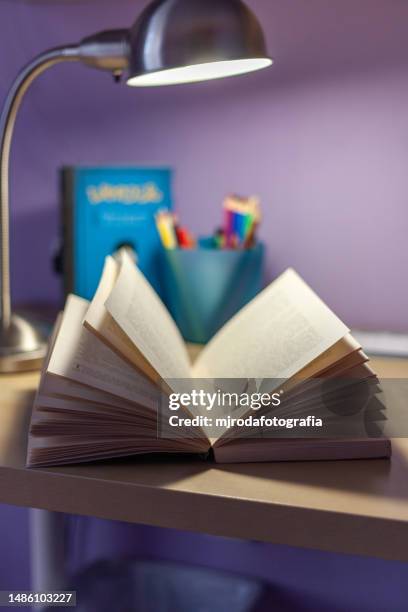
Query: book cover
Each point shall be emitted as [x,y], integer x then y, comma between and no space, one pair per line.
[105,208]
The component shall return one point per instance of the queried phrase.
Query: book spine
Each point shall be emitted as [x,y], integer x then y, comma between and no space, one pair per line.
[67,179]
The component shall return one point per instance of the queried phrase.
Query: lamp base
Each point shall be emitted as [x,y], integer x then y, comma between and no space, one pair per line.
[22,346]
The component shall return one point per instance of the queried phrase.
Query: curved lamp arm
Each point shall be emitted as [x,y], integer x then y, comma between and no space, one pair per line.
[22,345]
[7,122]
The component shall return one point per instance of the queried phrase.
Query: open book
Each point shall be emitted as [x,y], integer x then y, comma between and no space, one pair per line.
[111,361]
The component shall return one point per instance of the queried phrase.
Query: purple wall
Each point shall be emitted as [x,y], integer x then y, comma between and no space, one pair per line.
[322,138]
[14,556]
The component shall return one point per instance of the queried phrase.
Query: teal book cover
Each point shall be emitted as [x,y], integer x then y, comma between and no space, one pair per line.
[105,208]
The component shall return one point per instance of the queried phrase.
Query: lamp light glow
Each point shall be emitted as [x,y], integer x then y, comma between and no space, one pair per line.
[199,72]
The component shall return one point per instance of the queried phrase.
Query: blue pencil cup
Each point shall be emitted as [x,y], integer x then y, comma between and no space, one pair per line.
[205,287]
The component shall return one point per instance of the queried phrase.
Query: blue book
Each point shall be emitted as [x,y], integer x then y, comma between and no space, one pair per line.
[105,209]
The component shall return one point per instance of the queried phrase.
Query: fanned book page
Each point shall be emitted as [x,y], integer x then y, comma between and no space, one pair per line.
[92,405]
[78,355]
[138,311]
[275,336]
[99,321]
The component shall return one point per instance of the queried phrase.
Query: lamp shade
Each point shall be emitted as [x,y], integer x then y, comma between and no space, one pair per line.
[184,41]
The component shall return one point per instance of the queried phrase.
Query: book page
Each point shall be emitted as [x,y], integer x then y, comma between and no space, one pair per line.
[138,311]
[80,356]
[99,321]
[344,348]
[56,386]
[260,450]
[96,311]
[275,336]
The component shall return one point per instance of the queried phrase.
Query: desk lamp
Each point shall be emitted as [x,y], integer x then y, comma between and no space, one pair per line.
[172,42]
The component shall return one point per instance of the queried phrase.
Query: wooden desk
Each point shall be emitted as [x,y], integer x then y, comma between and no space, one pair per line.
[356,507]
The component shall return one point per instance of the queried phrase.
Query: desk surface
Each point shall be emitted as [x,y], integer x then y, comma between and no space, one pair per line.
[358,507]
